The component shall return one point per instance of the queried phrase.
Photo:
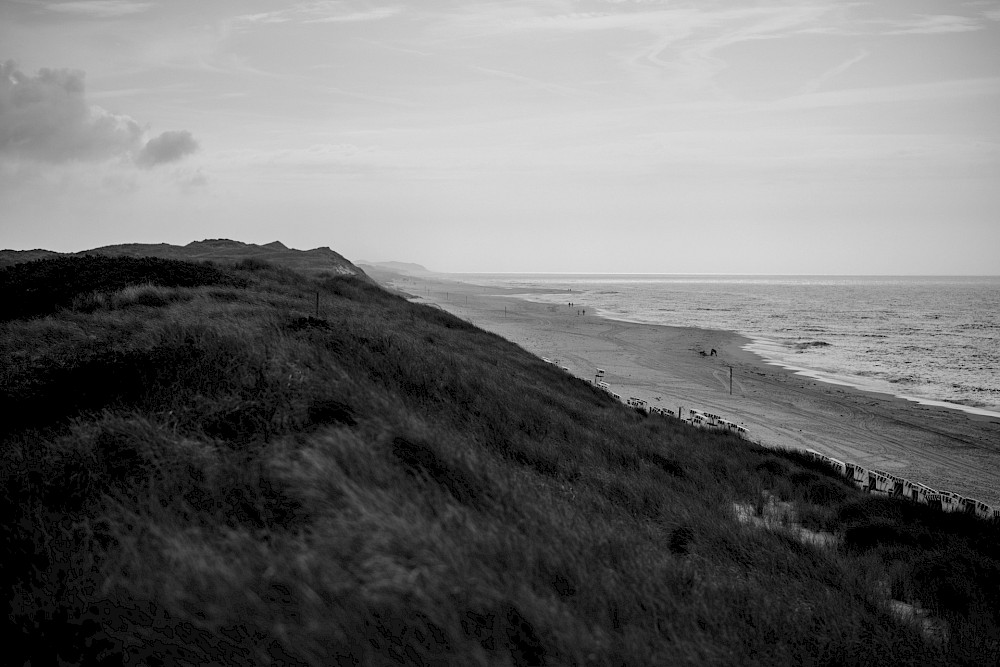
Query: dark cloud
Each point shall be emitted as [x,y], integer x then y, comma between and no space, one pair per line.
[168,147]
[46,118]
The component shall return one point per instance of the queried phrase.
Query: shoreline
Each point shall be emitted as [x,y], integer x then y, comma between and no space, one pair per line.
[941,446]
[826,377]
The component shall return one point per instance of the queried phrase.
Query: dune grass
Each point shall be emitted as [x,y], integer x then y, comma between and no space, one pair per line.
[209,472]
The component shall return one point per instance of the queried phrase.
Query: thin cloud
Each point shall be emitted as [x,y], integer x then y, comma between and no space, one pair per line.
[354,17]
[923,24]
[100,8]
[534,83]
[817,83]
[265,17]
[932,25]
[986,86]
[322,11]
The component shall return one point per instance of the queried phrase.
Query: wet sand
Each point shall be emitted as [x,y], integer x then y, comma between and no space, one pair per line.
[941,447]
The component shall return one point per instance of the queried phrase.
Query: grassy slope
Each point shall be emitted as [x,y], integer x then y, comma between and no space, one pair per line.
[196,468]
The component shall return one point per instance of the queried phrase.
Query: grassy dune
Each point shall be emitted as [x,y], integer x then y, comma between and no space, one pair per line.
[196,468]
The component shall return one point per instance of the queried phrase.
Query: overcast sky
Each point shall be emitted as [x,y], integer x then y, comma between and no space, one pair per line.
[544,135]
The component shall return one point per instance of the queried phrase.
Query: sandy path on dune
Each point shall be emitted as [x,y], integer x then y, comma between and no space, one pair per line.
[941,447]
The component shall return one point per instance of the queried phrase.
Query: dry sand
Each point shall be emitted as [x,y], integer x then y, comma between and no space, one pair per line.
[941,447]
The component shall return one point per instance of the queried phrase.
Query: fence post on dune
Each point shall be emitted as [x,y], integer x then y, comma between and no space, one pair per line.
[317,304]
[730,380]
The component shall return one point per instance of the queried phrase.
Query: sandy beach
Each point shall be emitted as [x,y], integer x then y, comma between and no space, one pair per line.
[941,447]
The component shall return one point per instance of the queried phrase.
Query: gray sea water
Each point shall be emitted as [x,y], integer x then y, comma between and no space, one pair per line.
[935,340]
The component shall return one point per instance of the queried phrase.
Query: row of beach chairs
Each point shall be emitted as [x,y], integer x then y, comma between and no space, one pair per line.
[886,484]
[873,480]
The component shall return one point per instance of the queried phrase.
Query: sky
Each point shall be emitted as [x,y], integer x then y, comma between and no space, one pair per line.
[592,136]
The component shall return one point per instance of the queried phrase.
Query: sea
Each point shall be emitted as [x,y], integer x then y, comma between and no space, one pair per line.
[930,339]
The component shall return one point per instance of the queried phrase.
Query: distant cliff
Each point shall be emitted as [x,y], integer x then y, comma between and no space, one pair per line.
[403,268]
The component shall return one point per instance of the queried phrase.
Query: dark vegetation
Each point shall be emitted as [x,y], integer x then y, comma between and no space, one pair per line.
[197,469]
[42,286]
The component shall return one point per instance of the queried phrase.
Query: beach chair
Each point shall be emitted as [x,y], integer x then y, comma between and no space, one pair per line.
[878,482]
[951,502]
[838,465]
[920,492]
[934,499]
[976,508]
[859,475]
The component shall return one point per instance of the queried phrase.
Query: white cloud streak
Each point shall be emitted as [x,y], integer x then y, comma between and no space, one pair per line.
[100,8]
[833,72]
[988,86]
[931,25]
[321,11]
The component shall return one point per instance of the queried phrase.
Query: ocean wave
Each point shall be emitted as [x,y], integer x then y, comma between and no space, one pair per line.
[808,345]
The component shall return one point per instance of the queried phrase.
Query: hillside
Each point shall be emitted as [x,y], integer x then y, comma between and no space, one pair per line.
[201,468]
[319,262]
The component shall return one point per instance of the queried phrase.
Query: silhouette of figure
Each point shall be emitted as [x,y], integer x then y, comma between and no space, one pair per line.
[713,354]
